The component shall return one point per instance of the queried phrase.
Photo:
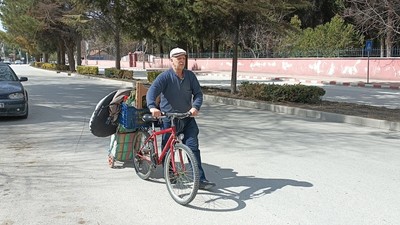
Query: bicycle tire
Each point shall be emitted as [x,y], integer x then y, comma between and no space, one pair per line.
[184,184]
[142,156]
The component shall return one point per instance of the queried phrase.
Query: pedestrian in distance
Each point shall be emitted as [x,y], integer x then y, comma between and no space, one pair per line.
[179,91]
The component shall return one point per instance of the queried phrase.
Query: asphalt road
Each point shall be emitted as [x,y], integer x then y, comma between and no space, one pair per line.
[389,98]
[269,168]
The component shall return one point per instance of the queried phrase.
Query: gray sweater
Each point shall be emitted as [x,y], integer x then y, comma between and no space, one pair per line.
[176,95]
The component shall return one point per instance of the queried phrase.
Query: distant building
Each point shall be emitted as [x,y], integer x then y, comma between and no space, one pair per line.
[99,55]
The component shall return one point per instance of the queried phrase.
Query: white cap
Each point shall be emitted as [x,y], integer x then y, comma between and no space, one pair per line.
[177,52]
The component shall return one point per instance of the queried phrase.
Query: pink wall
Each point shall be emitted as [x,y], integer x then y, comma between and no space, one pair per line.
[379,68]
[104,63]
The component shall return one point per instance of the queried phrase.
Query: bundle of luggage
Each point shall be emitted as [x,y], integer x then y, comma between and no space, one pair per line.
[116,115]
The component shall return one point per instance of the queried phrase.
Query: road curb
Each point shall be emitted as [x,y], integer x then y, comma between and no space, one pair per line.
[306,113]
[340,83]
[361,84]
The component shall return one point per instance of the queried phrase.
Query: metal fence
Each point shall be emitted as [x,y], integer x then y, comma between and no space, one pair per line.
[340,53]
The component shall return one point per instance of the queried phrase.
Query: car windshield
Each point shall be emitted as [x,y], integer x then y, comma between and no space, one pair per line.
[6,74]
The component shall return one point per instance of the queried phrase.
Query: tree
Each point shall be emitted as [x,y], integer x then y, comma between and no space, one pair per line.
[44,26]
[323,40]
[110,17]
[21,31]
[320,12]
[235,14]
[148,21]
[53,14]
[380,17]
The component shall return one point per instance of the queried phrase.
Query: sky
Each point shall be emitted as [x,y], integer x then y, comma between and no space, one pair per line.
[1,26]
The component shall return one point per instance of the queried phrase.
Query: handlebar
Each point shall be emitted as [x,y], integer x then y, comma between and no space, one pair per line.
[176,115]
[150,118]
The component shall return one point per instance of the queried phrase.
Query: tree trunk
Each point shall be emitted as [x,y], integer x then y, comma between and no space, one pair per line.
[389,30]
[37,57]
[161,49]
[117,40]
[212,49]
[79,50]
[62,54]
[201,46]
[70,47]
[216,47]
[59,55]
[46,57]
[235,59]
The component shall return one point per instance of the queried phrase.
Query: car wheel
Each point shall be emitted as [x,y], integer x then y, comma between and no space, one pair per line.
[26,114]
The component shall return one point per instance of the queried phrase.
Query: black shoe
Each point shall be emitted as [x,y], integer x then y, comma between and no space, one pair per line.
[206,185]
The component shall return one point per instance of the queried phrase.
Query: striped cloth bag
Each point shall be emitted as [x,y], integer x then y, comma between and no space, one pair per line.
[122,145]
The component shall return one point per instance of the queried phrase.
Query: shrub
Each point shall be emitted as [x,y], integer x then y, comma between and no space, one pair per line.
[152,75]
[282,93]
[125,74]
[88,70]
[253,90]
[116,73]
[62,67]
[111,72]
[39,64]
[48,66]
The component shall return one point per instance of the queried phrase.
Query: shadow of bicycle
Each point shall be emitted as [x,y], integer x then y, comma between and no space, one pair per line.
[232,191]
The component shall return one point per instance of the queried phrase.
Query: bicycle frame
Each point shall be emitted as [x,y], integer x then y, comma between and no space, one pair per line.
[168,146]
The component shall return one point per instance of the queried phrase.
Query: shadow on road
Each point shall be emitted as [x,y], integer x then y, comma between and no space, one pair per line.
[225,197]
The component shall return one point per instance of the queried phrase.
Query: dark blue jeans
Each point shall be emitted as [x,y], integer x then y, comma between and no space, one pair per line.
[189,128]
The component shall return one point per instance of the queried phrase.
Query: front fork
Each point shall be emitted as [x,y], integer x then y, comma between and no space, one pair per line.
[180,155]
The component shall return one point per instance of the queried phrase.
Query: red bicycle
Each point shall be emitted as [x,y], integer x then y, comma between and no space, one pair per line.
[181,172]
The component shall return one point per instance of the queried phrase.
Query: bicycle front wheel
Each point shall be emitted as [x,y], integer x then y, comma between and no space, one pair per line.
[181,174]
[142,155]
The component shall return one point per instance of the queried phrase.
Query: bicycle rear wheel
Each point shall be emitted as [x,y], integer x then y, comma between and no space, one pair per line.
[183,183]
[142,155]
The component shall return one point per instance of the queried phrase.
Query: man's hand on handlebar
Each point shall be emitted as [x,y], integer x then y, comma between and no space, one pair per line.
[193,112]
[155,112]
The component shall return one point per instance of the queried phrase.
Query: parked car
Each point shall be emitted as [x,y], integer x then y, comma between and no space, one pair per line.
[8,62]
[13,95]
[18,62]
